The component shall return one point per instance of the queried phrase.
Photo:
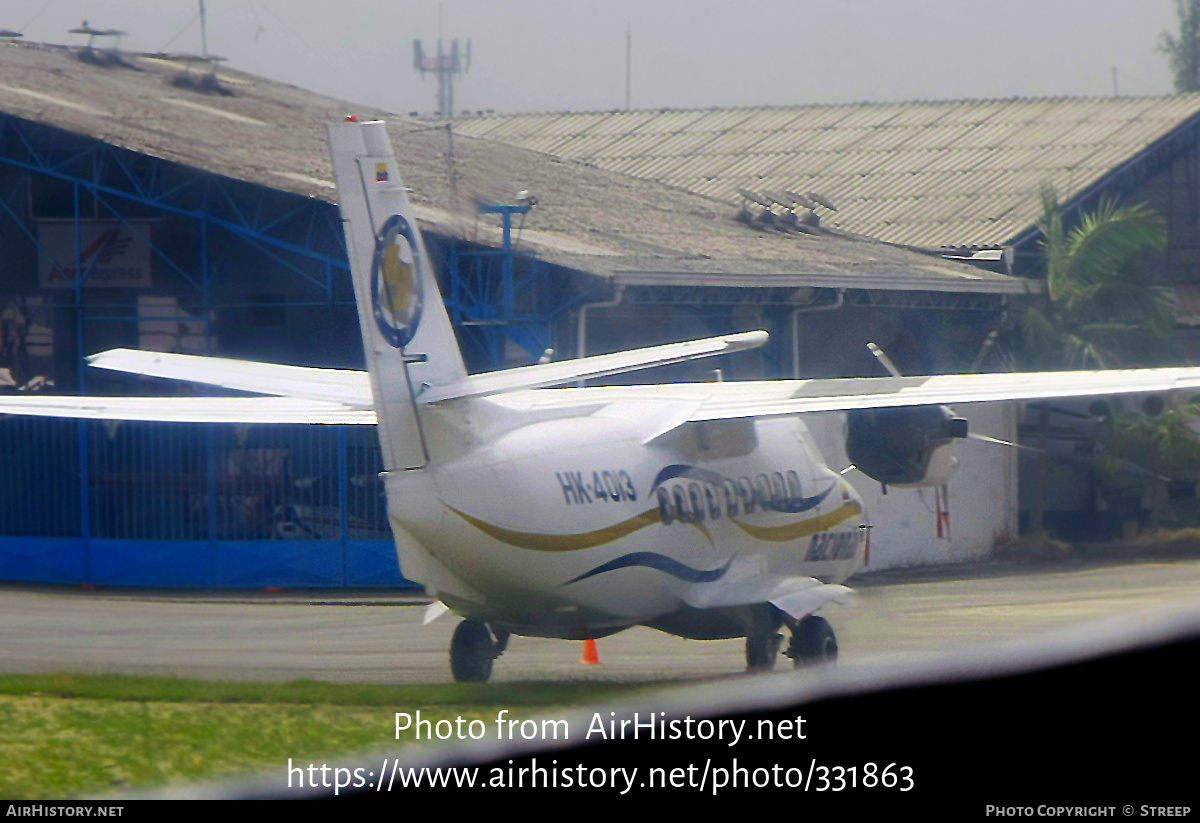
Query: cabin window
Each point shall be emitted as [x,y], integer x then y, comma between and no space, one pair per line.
[778,491]
[747,492]
[794,491]
[762,491]
[666,511]
[694,496]
[681,510]
[714,502]
[731,498]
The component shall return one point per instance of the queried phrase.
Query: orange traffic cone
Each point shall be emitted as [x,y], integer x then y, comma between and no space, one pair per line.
[591,656]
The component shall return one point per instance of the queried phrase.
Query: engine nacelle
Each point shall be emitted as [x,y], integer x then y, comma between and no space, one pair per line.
[906,445]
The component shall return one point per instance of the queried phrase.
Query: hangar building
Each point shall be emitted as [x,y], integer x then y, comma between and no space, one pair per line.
[143,207]
[953,176]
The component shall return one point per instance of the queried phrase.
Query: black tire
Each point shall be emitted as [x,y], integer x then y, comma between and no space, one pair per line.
[761,651]
[813,641]
[472,652]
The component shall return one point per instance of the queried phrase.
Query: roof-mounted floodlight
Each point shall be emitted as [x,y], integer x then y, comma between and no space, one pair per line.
[93,32]
[799,199]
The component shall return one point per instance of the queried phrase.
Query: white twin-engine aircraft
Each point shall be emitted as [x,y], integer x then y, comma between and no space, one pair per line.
[703,510]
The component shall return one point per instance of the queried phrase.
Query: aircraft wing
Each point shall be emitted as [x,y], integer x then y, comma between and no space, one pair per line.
[886,392]
[189,409]
[767,398]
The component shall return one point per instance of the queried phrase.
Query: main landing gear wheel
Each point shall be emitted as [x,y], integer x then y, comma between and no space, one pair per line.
[761,651]
[472,652]
[813,641]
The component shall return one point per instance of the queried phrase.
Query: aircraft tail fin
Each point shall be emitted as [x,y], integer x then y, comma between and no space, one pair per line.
[407,336]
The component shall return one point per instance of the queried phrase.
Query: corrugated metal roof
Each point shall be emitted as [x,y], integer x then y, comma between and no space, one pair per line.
[588,218]
[863,155]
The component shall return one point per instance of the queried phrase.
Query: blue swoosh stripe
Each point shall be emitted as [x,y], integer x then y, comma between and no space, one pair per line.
[661,562]
[680,470]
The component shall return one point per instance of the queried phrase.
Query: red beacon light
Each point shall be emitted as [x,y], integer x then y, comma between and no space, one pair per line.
[351,118]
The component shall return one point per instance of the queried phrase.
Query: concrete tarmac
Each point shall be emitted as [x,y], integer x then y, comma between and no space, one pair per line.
[379,637]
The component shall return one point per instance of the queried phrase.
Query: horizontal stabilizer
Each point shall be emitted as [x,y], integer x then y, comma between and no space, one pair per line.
[334,385]
[587,368]
[354,388]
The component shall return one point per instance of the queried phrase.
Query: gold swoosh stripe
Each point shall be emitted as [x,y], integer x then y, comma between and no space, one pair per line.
[561,542]
[794,531]
[539,542]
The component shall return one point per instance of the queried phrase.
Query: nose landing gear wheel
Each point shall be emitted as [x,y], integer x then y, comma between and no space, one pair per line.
[813,641]
[472,652]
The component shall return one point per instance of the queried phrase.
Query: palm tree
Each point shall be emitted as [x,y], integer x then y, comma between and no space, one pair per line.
[1183,51]
[1164,443]
[1099,308]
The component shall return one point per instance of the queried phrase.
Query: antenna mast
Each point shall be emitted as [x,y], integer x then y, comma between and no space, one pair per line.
[203,33]
[628,61]
[445,66]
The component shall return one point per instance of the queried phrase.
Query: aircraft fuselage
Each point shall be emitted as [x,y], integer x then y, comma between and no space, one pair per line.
[573,528]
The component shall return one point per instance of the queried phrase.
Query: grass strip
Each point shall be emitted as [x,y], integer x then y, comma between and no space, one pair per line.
[71,734]
[126,687]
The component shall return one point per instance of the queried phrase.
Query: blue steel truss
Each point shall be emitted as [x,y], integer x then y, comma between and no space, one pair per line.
[285,227]
[501,296]
[188,505]
[184,505]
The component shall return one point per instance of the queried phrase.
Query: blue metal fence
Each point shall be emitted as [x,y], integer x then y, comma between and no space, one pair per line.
[169,504]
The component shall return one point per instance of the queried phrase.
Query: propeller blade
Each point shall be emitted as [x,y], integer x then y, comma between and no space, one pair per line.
[986,438]
[1122,465]
[885,360]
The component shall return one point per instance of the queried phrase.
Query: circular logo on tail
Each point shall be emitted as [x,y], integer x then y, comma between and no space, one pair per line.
[396,282]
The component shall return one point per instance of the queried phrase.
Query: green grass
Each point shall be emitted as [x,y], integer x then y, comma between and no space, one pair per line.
[70,734]
[123,687]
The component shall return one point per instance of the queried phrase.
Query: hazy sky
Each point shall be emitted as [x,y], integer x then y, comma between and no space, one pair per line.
[539,55]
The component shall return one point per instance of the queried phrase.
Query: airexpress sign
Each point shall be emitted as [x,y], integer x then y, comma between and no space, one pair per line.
[113,255]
